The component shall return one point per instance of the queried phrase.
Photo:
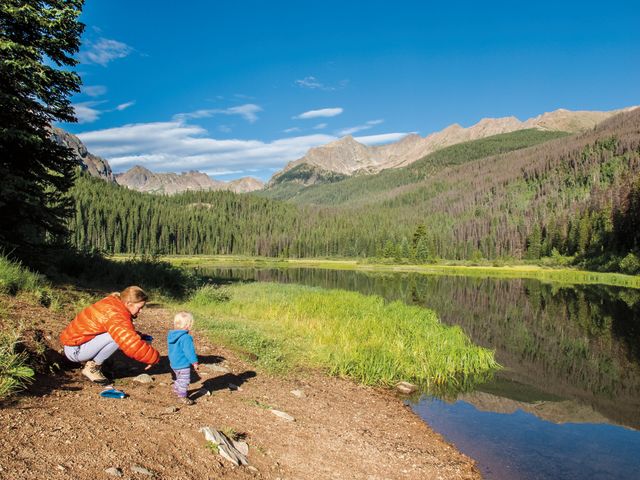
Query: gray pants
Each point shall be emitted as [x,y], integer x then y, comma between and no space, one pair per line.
[97,349]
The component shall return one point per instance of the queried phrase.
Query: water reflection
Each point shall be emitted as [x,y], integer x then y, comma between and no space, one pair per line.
[575,346]
[572,369]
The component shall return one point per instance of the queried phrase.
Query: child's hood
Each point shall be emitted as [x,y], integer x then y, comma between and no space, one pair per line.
[174,335]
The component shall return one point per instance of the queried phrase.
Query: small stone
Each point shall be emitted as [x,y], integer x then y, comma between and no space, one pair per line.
[163,384]
[283,415]
[114,471]
[141,470]
[62,468]
[298,393]
[252,468]
[171,410]
[406,388]
[215,367]
[143,378]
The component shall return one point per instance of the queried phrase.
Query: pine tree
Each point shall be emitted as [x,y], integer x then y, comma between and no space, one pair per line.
[37,41]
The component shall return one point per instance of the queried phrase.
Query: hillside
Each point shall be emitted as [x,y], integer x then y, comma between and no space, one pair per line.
[570,195]
[341,189]
[348,157]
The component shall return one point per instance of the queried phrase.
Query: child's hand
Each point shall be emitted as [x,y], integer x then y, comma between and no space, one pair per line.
[196,366]
[148,367]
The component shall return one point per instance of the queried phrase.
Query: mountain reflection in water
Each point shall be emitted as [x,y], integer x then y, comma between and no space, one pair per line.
[571,353]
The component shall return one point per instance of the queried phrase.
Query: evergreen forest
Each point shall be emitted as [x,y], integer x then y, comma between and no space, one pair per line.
[524,195]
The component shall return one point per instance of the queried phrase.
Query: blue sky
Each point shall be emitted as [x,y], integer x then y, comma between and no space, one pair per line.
[241,88]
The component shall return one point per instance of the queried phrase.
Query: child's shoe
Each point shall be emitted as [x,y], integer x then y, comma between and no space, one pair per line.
[93,372]
[186,401]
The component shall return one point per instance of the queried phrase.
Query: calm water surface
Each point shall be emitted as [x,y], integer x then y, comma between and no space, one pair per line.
[567,404]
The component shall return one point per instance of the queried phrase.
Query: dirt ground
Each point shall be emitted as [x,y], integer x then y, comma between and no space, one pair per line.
[60,428]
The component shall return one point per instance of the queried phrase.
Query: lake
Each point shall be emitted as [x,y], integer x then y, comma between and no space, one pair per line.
[567,403]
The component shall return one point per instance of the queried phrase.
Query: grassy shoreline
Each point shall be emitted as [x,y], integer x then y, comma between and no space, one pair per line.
[348,334]
[545,274]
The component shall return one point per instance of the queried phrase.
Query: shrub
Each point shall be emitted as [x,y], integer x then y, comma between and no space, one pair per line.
[630,264]
[210,294]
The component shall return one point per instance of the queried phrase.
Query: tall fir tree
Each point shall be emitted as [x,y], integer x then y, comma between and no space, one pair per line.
[38,39]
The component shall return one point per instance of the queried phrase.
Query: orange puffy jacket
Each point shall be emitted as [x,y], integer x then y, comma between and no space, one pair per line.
[109,315]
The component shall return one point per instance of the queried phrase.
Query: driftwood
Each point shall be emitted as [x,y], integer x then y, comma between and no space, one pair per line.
[235,452]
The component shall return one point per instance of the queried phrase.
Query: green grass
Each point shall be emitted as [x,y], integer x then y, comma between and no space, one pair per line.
[14,372]
[509,270]
[348,334]
[14,280]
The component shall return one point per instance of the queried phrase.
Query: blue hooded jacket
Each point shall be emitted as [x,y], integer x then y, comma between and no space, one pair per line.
[182,352]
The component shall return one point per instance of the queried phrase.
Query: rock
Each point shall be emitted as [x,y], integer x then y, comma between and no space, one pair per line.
[226,447]
[283,415]
[114,471]
[242,447]
[141,470]
[298,393]
[171,410]
[406,388]
[215,367]
[143,378]
[61,468]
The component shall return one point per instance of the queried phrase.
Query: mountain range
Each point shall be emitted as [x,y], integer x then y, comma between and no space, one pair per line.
[144,180]
[347,157]
[337,160]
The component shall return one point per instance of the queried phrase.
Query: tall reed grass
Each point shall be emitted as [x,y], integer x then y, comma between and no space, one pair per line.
[15,279]
[349,334]
[14,371]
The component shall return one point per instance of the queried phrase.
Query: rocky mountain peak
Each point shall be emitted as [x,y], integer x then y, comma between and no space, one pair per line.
[92,164]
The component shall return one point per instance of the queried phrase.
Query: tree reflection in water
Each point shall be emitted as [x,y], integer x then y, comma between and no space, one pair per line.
[580,343]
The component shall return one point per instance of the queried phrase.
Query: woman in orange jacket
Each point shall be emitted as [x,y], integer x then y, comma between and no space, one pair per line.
[100,329]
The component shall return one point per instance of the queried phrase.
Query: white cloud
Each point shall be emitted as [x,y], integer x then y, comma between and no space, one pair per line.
[85,113]
[247,111]
[178,146]
[224,128]
[320,126]
[359,128]
[309,82]
[94,90]
[323,112]
[104,51]
[382,138]
[124,106]
[313,83]
[292,129]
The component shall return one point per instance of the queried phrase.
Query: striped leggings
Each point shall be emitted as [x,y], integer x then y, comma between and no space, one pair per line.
[183,377]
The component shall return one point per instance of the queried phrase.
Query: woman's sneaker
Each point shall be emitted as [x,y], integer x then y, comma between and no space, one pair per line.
[92,371]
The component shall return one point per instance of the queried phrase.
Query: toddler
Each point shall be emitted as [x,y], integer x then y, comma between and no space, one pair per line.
[182,354]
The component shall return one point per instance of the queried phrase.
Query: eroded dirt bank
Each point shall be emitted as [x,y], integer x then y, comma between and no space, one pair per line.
[61,428]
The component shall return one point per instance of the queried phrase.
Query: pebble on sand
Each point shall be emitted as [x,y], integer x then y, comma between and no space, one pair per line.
[114,471]
[143,378]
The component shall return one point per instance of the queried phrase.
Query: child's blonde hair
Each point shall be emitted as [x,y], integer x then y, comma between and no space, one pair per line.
[183,321]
